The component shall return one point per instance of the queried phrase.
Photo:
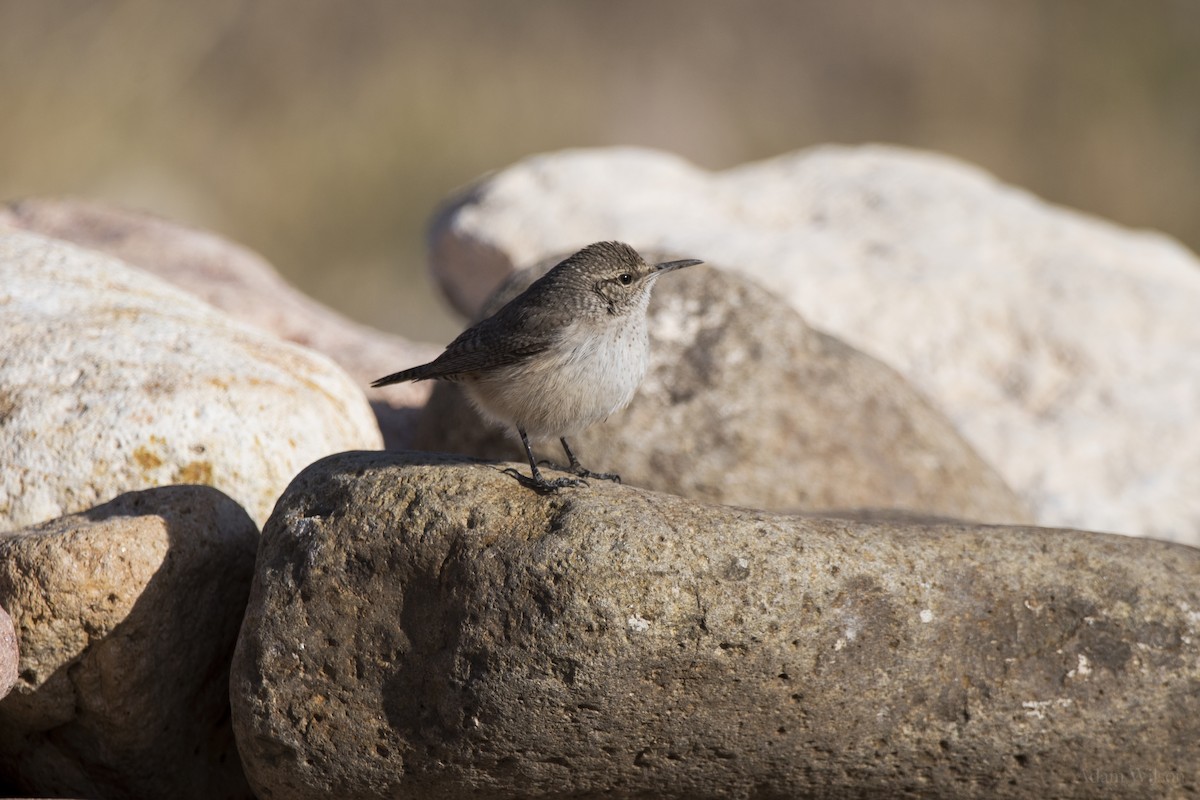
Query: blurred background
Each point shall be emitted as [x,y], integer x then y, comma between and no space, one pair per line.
[324,135]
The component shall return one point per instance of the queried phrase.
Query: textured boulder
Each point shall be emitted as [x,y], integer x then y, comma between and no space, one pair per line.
[241,284]
[426,628]
[745,404]
[114,381]
[9,653]
[127,615]
[1064,348]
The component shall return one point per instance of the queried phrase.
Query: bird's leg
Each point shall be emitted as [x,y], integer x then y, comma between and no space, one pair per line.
[578,469]
[537,482]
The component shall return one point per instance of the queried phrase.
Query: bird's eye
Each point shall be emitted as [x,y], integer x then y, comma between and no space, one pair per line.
[625,278]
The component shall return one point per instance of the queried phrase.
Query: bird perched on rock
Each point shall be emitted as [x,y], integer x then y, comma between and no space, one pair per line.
[564,354]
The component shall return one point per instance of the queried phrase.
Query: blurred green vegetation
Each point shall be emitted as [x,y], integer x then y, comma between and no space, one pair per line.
[324,134]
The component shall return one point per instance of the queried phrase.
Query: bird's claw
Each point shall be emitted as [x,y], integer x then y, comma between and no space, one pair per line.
[543,486]
[581,471]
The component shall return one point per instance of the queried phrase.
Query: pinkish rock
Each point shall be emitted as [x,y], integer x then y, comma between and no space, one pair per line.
[244,286]
[114,381]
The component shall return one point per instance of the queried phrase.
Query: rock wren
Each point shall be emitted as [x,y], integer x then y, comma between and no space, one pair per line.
[564,354]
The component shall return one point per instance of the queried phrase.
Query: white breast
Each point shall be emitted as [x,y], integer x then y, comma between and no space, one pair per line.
[563,391]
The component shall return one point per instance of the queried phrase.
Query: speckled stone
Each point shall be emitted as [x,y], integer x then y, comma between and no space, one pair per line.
[114,381]
[421,627]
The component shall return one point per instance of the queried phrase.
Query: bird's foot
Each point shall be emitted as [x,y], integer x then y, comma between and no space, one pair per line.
[543,486]
[583,472]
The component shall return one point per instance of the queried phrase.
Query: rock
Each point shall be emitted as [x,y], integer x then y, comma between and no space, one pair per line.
[9,653]
[127,614]
[243,285]
[745,404]
[114,381]
[1064,348]
[420,627]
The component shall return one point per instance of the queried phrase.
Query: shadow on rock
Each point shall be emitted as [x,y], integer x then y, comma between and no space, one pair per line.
[129,613]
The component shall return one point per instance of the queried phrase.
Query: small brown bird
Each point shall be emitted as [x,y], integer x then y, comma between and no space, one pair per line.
[564,354]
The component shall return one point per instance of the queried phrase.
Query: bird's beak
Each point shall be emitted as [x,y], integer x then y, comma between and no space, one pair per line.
[667,266]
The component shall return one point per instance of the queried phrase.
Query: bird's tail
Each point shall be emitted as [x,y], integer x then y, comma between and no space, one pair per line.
[412,374]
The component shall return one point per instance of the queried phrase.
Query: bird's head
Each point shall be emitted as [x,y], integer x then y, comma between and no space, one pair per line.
[619,278]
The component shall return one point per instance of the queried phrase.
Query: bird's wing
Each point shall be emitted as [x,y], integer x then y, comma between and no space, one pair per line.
[508,337]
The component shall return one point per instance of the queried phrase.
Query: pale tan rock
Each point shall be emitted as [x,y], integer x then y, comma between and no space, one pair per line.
[425,628]
[114,381]
[745,404]
[9,653]
[1063,347]
[243,285]
[127,615]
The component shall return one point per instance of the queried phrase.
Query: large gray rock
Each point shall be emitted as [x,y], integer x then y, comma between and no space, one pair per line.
[244,286]
[1064,348]
[127,616]
[745,404]
[426,628]
[114,381]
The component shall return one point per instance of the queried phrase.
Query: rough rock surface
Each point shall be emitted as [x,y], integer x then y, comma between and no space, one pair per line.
[243,285]
[9,653]
[114,381]
[1064,348]
[127,616]
[425,628]
[745,404]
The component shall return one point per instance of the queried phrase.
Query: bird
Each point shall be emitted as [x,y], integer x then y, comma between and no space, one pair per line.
[559,357]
